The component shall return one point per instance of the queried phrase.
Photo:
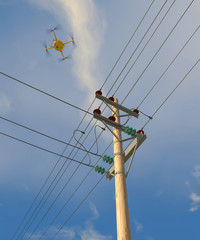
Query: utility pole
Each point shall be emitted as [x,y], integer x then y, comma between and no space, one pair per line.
[122,212]
[120,157]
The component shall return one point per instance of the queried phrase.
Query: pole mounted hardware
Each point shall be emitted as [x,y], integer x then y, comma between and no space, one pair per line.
[110,101]
[111,120]
[133,146]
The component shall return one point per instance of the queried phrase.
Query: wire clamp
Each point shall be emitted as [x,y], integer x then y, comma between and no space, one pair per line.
[119,153]
[119,172]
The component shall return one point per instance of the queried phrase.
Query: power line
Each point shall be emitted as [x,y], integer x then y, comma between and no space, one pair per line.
[47,192]
[173,91]
[169,66]
[144,47]
[65,204]
[58,195]
[138,45]
[48,179]
[48,94]
[77,207]
[158,50]
[128,42]
[45,135]
[46,150]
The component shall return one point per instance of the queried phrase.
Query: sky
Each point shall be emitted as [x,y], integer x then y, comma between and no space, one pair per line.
[163,184]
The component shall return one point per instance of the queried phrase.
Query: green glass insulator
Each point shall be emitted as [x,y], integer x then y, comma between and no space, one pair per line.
[133,132]
[103,170]
[130,131]
[126,130]
[108,159]
[111,160]
[104,158]
[96,168]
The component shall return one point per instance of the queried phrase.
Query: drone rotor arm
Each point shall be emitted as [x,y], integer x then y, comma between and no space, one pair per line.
[62,55]
[68,42]
[54,34]
[49,48]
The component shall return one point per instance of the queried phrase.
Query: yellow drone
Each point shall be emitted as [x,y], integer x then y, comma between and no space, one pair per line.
[57,44]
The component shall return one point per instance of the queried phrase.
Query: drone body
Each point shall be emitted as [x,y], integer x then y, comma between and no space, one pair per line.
[57,44]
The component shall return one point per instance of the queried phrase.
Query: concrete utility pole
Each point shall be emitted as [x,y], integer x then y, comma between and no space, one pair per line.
[122,212]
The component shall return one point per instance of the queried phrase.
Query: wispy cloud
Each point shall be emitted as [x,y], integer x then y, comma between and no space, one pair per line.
[138,226]
[94,210]
[74,233]
[196,173]
[5,103]
[195,202]
[90,234]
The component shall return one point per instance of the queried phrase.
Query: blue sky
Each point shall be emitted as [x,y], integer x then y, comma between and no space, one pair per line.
[164,180]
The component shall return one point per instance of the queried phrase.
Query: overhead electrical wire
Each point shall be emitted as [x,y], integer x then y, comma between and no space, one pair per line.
[158,50]
[172,91]
[44,149]
[45,135]
[137,46]
[58,195]
[170,7]
[128,42]
[193,34]
[77,208]
[47,94]
[48,189]
[65,204]
[50,184]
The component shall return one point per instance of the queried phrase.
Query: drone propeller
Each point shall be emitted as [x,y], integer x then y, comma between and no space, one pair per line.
[58,27]
[45,46]
[73,42]
[63,59]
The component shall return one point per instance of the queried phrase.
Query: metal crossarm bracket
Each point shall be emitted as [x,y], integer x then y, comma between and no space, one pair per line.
[108,121]
[117,105]
[111,131]
[140,138]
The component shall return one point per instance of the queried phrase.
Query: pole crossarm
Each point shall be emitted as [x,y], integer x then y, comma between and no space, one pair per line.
[140,138]
[109,122]
[117,105]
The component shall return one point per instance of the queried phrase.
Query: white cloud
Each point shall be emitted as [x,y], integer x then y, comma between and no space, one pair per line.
[193,209]
[138,226]
[195,198]
[73,233]
[91,234]
[94,210]
[195,202]
[196,172]
[5,103]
